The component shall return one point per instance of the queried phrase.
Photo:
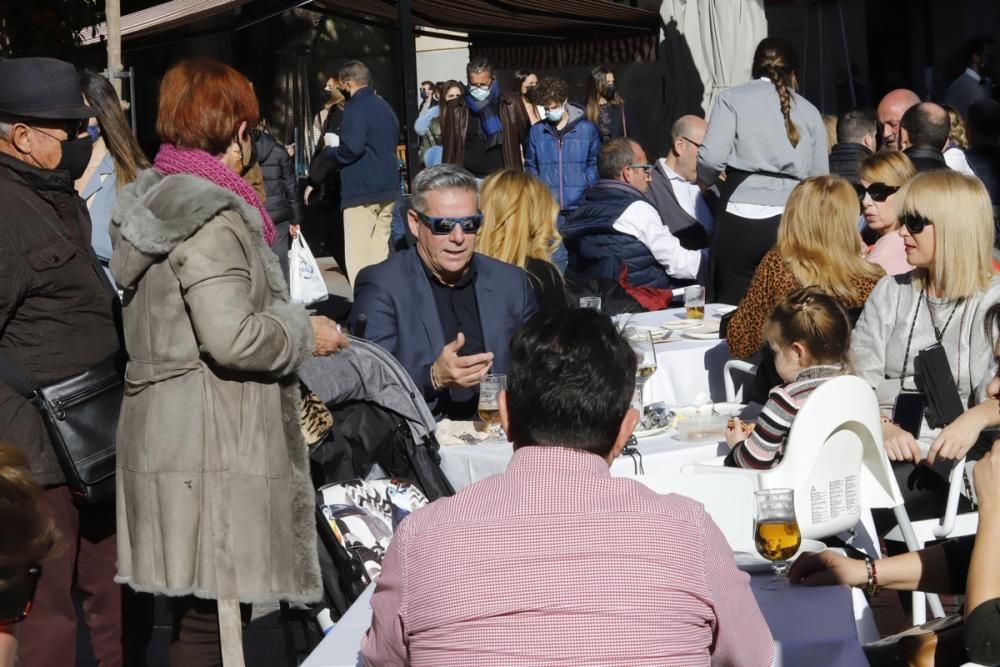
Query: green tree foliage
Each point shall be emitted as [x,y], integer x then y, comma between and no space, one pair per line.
[47,27]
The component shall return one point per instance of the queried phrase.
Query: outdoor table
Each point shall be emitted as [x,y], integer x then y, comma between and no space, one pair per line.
[660,454]
[810,626]
[685,367]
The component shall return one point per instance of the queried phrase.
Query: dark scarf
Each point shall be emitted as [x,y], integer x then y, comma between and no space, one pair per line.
[488,113]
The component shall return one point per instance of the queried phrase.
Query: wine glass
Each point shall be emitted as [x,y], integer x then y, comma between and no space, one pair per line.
[641,342]
[490,387]
[776,532]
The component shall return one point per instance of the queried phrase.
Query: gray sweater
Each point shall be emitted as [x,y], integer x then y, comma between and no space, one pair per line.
[747,132]
[879,339]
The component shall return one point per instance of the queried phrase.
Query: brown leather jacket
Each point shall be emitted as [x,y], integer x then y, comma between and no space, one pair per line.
[513,118]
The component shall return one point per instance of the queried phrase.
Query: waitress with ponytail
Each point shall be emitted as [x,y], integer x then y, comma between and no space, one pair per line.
[766,138]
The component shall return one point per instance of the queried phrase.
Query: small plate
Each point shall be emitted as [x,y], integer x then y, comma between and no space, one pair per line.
[748,560]
[724,310]
[708,330]
[680,324]
[657,334]
[652,431]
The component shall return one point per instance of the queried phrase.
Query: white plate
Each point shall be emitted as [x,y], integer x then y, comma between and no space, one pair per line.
[657,334]
[724,310]
[708,330]
[748,560]
[649,432]
[679,324]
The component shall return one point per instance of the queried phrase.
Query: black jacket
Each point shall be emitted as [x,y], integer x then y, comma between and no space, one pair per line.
[280,184]
[845,159]
[56,305]
[926,159]
[985,162]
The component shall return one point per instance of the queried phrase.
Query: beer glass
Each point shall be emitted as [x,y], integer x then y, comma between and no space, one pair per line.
[776,532]
[694,302]
[490,387]
[593,302]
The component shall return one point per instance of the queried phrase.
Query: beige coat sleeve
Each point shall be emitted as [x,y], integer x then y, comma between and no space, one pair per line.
[215,275]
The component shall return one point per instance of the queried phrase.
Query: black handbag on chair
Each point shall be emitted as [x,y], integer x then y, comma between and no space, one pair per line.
[81,417]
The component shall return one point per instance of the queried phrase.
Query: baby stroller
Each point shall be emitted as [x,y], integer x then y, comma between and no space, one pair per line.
[379,461]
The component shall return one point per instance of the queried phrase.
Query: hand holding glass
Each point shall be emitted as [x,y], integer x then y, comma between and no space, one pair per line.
[489,402]
[776,531]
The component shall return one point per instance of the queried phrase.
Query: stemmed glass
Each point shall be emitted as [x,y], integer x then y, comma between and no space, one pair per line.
[490,387]
[776,532]
[641,342]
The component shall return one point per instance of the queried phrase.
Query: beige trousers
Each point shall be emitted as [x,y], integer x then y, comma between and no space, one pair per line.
[366,236]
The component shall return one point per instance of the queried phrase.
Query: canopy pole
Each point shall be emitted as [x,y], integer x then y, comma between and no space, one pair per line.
[408,51]
[113,17]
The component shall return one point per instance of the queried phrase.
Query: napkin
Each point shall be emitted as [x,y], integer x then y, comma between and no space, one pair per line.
[459,433]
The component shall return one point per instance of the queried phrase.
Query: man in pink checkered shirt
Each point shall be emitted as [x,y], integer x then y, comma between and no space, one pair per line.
[555,562]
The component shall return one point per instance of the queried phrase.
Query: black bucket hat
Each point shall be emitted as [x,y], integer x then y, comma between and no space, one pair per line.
[41,88]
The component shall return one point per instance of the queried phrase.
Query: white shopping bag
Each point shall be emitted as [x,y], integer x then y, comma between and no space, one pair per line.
[305,282]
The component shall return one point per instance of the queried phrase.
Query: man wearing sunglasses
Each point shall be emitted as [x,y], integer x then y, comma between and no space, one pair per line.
[446,313]
[617,229]
[56,321]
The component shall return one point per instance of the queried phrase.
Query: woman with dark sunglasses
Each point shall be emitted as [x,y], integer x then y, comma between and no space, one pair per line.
[880,178]
[947,232]
[25,541]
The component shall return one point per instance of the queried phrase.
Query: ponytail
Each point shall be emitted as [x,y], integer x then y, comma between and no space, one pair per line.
[776,59]
[785,96]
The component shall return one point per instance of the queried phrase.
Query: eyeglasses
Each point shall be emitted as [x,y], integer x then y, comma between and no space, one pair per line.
[914,222]
[645,167]
[691,141]
[18,595]
[877,191]
[444,226]
[72,128]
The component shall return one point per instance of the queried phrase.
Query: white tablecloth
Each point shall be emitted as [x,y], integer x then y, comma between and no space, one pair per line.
[685,367]
[810,626]
[658,455]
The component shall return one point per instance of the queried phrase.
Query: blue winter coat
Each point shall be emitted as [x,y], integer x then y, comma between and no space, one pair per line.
[567,164]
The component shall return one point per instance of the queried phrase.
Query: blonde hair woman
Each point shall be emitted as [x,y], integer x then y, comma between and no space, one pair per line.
[519,227]
[947,229]
[958,143]
[880,177]
[818,245]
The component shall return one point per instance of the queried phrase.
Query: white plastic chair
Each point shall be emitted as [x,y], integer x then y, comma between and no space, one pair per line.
[728,500]
[834,460]
[951,524]
[729,371]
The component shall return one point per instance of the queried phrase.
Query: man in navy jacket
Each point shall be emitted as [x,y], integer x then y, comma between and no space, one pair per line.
[366,156]
[446,313]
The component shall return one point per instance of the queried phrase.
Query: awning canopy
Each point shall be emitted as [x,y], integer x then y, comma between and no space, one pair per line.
[550,19]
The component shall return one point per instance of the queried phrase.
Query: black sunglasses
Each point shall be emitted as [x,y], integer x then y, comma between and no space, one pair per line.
[443,226]
[877,191]
[914,222]
[17,595]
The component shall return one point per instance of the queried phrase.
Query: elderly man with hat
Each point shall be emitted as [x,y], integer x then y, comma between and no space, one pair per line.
[56,321]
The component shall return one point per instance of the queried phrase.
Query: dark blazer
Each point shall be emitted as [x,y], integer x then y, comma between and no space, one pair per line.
[396,297]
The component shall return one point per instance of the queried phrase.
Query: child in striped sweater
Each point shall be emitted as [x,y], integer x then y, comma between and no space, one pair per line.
[809,334]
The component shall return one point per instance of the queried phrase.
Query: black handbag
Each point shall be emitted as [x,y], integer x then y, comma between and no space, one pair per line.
[934,378]
[81,416]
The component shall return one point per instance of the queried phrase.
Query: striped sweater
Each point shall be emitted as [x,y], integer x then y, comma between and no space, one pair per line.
[766,445]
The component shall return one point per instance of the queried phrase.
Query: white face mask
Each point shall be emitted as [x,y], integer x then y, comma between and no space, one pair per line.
[554,115]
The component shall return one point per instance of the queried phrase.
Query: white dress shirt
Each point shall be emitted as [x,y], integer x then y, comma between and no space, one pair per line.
[643,222]
[689,197]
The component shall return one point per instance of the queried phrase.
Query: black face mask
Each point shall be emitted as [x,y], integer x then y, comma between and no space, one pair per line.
[345,92]
[423,94]
[530,94]
[609,92]
[75,156]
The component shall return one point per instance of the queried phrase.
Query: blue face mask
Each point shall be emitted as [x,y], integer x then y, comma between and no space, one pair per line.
[94,131]
[479,94]
[555,115]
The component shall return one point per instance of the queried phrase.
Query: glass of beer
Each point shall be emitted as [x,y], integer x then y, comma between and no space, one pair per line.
[593,302]
[641,342]
[489,407]
[694,302]
[776,532]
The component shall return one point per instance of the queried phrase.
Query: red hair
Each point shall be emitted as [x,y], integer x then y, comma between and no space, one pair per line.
[202,103]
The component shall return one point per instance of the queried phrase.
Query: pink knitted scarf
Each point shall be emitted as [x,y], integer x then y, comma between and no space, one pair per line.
[173,160]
